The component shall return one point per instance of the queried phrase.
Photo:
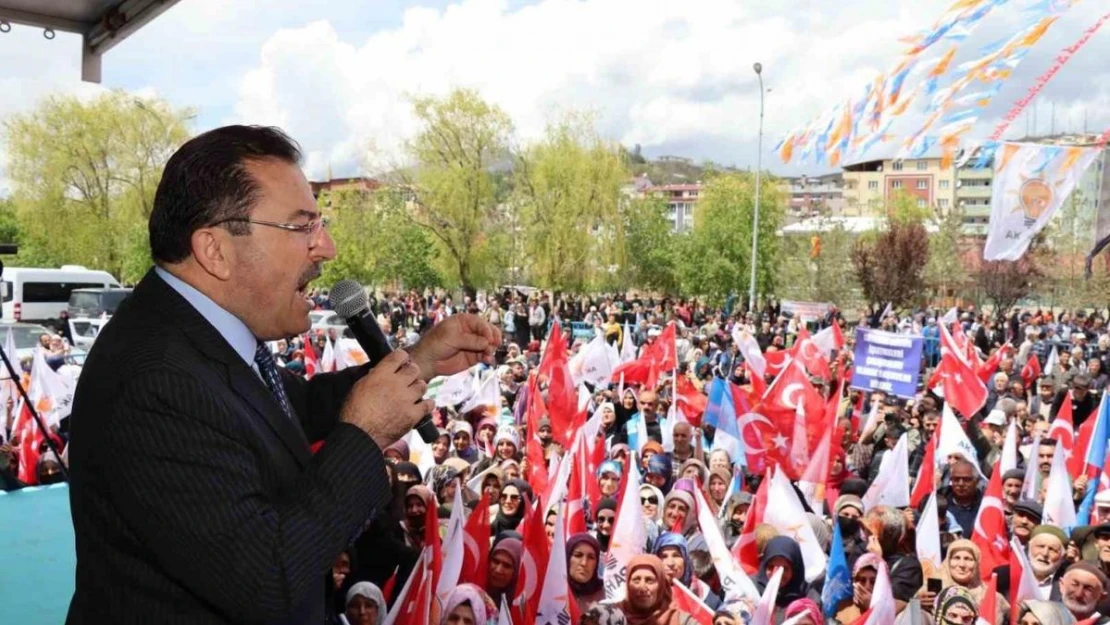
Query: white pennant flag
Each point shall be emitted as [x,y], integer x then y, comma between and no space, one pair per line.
[765,609]
[1010,448]
[628,539]
[592,363]
[420,453]
[505,616]
[787,515]
[487,395]
[327,359]
[734,581]
[953,440]
[13,356]
[928,534]
[1051,363]
[453,549]
[1027,587]
[1059,508]
[950,317]
[1031,486]
[892,484]
[452,390]
[1031,181]
[749,349]
[628,346]
[883,610]
[553,609]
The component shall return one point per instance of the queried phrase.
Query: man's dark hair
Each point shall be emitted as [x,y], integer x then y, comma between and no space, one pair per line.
[206,182]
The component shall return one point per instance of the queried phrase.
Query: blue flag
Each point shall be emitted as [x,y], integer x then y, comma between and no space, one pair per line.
[716,398]
[1096,458]
[727,436]
[838,579]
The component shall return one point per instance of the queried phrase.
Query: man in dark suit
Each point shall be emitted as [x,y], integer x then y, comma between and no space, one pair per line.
[194,495]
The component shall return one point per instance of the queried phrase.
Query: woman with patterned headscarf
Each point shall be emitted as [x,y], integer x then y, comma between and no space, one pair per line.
[1037,612]
[864,573]
[673,550]
[468,603]
[417,502]
[584,571]
[955,606]
[961,568]
[648,600]
[807,612]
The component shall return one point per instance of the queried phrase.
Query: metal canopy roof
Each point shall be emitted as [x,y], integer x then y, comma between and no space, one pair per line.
[101,23]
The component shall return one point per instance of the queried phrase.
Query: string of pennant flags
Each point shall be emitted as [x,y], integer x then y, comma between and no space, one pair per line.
[950,95]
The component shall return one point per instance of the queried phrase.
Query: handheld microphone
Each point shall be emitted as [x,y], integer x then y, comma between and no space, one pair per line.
[348,299]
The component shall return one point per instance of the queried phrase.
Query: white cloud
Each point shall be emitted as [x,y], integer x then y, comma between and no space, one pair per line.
[675,77]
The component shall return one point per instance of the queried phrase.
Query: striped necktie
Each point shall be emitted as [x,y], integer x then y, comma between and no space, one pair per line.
[266,366]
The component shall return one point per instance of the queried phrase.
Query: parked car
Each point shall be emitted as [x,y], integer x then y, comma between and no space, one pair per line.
[329,320]
[26,339]
[37,294]
[93,303]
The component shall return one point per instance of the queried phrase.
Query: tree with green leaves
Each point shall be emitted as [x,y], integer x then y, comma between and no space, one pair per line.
[84,174]
[375,244]
[650,245]
[714,259]
[567,186]
[817,267]
[451,186]
[1070,235]
[945,272]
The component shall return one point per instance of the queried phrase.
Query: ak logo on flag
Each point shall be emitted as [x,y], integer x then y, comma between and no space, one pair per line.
[1031,182]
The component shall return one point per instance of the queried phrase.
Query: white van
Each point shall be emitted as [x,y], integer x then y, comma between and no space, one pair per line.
[32,294]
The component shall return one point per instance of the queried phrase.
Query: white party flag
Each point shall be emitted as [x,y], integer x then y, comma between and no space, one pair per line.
[1059,508]
[892,484]
[928,534]
[953,440]
[734,581]
[1031,181]
[628,538]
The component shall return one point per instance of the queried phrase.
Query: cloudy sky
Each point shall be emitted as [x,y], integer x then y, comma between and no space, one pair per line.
[674,77]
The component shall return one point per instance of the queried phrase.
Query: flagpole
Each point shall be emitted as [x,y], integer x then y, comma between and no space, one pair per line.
[34,414]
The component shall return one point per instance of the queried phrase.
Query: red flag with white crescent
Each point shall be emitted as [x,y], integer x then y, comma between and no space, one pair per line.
[990,533]
[476,542]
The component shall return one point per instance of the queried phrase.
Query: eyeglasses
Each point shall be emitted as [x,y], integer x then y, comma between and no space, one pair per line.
[509,497]
[604,520]
[651,500]
[310,229]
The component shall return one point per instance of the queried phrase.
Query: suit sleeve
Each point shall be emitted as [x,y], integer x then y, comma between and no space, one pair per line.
[319,401]
[195,492]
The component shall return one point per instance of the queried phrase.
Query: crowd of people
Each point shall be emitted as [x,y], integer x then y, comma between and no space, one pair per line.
[1048,359]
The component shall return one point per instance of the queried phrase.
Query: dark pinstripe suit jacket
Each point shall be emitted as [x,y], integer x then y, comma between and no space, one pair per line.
[194,498]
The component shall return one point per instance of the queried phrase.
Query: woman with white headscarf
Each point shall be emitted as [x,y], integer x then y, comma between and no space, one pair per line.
[365,605]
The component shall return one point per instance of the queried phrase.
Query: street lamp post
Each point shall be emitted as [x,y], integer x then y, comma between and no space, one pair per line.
[758,67]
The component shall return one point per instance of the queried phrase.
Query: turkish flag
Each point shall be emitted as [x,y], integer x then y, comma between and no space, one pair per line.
[537,465]
[1031,372]
[555,352]
[1063,430]
[797,410]
[656,358]
[476,539]
[533,565]
[926,475]
[991,535]
[562,403]
[811,355]
[745,550]
[962,388]
[311,361]
[987,369]
[686,601]
[690,400]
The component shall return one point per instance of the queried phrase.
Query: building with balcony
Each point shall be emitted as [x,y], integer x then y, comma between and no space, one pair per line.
[869,186]
[682,200]
[815,195]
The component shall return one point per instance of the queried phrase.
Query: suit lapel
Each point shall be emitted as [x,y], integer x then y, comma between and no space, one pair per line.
[155,293]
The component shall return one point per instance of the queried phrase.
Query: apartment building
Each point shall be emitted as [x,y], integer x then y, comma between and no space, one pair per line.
[869,186]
